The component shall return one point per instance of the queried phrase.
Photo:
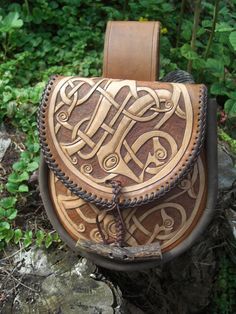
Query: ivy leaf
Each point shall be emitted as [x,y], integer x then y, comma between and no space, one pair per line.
[12,187]
[230,107]
[2,213]
[232,39]
[19,165]
[4,225]
[8,202]
[39,237]
[55,237]
[23,188]
[12,214]
[223,27]
[17,236]
[10,22]
[9,235]
[28,238]
[215,66]
[32,166]
[48,240]
[188,53]
[16,178]
[34,148]
[218,88]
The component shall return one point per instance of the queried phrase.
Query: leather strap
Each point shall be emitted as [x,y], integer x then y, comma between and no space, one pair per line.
[131,50]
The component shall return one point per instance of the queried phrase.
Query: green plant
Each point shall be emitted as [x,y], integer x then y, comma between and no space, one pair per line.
[40,38]
[8,213]
[225,288]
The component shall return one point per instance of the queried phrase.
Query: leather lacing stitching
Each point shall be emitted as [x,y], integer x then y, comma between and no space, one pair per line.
[114,208]
[89,197]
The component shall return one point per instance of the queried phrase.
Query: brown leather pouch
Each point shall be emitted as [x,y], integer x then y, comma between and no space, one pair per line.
[129,179]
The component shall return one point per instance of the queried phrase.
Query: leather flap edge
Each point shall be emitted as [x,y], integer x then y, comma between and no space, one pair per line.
[187,101]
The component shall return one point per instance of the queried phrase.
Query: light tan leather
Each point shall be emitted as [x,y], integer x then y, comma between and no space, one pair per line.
[131,50]
[167,221]
[145,135]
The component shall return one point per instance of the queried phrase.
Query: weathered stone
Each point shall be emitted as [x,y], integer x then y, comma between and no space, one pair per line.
[231,217]
[5,141]
[59,282]
[226,169]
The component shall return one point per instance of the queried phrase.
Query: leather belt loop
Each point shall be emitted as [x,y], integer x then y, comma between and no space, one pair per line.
[131,50]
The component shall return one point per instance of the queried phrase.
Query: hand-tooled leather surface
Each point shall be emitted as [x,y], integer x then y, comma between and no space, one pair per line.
[167,221]
[147,135]
[121,38]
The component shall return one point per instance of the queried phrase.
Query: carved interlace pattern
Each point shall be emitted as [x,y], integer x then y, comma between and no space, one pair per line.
[114,128]
[166,221]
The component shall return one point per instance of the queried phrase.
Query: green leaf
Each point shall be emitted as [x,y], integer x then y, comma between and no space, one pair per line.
[10,22]
[2,213]
[232,39]
[199,64]
[4,225]
[35,147]
[207,23]
[28,238]
[9,235]
[2,245]
[40,235]
[17,235]
[19,165]
[223,27]
[230,108]
[188,53]
[23,188]
[218,88]
[232,95]
[12,187]
[48,240]
[17,178]
[12,214]
[55,237]
[8,202]
[216,66]
[32,166]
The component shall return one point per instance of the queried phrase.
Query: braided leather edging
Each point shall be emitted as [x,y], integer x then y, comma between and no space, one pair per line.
[73,187]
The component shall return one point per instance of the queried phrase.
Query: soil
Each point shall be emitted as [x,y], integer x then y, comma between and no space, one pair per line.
[31,214]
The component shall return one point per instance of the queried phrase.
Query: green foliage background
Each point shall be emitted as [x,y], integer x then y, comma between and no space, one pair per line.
[40,38]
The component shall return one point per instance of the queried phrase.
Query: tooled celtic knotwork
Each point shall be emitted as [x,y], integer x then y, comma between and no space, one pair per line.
[165,221]
[124,132]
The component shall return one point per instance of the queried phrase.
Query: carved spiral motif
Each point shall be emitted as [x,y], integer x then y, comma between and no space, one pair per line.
[111,228]
[169,104]
[96,236]
[86,168]
[81,227]
[74,160]
[62,116]
[168,223]
[161,153]
[111,161]
[185,184]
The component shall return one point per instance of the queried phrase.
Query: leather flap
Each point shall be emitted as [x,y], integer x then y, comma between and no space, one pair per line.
[147,135]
